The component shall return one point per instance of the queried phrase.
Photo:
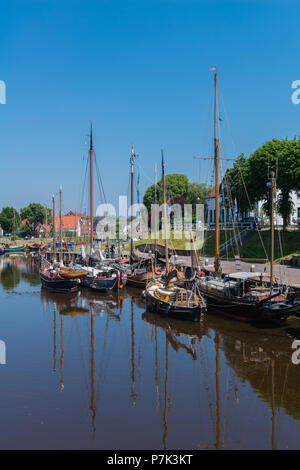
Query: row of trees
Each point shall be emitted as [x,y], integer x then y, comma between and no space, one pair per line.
[247,180]
[34,213]
[249,176]
[179,191]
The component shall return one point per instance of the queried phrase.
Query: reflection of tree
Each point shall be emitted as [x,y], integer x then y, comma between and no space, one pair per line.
[31,277]
[10,277]
[267,366]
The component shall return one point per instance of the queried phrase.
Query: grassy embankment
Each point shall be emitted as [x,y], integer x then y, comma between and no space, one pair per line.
[286,246]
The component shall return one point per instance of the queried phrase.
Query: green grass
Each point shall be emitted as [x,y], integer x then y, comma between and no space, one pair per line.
[252,248]
[208,248]
[290,244]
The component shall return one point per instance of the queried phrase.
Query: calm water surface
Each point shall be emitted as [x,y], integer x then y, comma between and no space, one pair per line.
[88,370]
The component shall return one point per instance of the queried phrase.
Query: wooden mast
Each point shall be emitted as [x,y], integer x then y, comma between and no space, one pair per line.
[53,223]
[46,225]
[91,191]
[216,158]
[165,210]
[272,189]
[131,199]
[60,224]
[155,215]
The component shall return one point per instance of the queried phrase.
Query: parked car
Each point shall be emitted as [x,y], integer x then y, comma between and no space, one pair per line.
[251,222]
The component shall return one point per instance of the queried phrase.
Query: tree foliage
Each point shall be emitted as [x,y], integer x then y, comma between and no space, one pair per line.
[179,190]
[35,213]
[9,219]
[283,158]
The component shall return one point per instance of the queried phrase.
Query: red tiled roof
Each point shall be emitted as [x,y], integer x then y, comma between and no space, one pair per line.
[69,222]
[212,194]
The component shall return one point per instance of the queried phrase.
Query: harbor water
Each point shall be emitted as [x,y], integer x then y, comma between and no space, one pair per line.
[96,371]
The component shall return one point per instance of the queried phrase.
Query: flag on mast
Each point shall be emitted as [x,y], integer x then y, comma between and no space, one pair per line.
[213,68]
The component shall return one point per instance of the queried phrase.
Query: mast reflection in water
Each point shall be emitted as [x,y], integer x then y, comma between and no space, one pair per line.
[90,370]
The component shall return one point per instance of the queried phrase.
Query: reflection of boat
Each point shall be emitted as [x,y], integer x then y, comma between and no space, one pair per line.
[74,310]
[61,301]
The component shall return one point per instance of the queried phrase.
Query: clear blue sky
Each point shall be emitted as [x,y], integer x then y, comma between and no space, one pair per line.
[140,71]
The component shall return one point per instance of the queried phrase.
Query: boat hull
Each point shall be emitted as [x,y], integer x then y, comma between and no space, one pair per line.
[101,284]
[139,280]
[14,249]
[155,305]
[248,311]
[59,285]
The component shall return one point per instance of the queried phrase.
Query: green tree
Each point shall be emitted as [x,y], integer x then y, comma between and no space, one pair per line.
[283,158]
[36,213]
[177,186]
[9,219]
[236,181]
[197,193]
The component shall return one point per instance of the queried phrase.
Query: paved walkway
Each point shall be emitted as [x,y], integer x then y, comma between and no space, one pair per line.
[285,274]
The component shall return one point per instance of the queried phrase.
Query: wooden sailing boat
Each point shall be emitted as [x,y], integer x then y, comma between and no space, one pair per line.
[163,295]
[51,277]
[243,295]
[140,271]
[100,277]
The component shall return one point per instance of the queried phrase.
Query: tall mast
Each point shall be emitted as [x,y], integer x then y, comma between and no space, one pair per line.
[155,215]
[46,224]
[131,198]
[272,189]
[60,223]
[91,190]
[165,209]
[216,158]
[53,223]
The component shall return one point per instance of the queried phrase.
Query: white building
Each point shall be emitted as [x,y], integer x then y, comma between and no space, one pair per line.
[228,210]
[294,217]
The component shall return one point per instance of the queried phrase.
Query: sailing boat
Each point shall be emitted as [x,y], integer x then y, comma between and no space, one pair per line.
[246,296]
[140,271]
[54,278]
[163,295]
[101,277]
